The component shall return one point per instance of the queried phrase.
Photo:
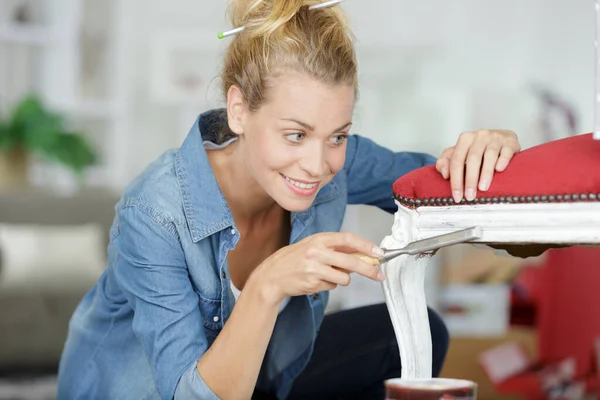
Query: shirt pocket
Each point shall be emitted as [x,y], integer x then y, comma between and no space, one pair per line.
[211,317]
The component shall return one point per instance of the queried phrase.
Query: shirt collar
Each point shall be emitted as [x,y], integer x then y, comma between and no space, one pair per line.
[204,204]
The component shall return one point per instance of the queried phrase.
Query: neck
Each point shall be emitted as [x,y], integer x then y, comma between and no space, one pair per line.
[248,202]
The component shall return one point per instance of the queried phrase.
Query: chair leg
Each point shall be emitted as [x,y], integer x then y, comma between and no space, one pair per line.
[404,290]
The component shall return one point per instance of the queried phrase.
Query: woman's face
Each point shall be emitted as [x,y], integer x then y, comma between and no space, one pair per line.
[296,142]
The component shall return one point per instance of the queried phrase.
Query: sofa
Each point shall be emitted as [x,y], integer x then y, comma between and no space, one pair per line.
[52,250]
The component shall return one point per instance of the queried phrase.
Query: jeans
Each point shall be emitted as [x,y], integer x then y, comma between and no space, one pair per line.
[355,351]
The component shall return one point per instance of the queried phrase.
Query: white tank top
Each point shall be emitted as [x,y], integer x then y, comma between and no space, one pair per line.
[236,294]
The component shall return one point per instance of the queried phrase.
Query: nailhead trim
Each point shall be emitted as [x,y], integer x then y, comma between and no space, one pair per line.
[443,201]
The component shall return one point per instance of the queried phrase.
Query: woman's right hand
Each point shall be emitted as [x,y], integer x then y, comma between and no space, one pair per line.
[317,263]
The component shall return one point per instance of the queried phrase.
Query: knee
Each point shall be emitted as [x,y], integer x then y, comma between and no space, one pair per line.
[440,339]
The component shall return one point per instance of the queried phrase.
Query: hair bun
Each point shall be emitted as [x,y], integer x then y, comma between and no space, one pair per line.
[264,17]
[286,34]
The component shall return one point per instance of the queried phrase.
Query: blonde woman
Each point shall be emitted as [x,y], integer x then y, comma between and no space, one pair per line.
[223,251]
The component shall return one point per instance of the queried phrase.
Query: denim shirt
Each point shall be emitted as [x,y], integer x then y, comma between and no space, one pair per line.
[165,294]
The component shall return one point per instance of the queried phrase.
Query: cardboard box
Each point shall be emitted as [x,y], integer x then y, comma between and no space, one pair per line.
[475,310]
[462,361]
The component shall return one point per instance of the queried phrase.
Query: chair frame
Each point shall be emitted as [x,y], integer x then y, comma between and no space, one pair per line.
[553,224]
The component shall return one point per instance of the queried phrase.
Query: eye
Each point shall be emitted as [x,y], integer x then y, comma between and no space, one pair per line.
[295,137]
[339,139]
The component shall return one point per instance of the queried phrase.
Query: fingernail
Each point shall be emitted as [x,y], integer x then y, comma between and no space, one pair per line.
[377,251]
[380,276]
[457,195]
[484,185]
[444,172]
[470,194]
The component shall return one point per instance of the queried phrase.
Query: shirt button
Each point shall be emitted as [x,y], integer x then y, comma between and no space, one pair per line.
[216,318]
[232,231]
[223,274]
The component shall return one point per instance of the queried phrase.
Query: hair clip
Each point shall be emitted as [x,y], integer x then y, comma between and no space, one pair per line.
[325,4]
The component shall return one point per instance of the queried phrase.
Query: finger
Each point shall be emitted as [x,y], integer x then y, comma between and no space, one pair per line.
[319,286]
[506,154]
[347,250]
[487,169]
[368,259]
[319,276]
[327,286]
[473,165]
[335,276]
[350,242]
[457,165]
[349,263]
[443,163]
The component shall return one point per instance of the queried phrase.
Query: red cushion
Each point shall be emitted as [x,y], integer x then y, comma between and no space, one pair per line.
[562,170]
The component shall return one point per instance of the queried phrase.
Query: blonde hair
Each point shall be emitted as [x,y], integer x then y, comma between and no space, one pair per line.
[284,35]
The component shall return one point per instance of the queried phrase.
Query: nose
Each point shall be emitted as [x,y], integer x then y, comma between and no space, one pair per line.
[314,161]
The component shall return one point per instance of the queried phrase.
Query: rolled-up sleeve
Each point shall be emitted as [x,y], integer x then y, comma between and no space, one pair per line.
[151,271]
[192,386]
[372,170]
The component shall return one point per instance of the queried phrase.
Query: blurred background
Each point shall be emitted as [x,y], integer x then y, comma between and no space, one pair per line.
[91,91]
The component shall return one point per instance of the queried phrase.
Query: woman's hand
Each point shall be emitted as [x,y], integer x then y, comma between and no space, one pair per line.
[470,164]
[317,263]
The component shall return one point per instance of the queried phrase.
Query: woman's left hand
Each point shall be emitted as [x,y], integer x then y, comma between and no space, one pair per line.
[470,164]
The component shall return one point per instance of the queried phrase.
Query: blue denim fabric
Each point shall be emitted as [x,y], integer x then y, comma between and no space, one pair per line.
[164,296]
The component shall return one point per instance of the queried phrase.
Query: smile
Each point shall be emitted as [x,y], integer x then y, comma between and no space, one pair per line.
[301,185]
[299,188]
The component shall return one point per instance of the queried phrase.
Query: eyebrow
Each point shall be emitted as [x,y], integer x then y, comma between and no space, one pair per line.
[311,128]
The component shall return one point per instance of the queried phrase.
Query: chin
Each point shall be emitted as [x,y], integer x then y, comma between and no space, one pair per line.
[295,205]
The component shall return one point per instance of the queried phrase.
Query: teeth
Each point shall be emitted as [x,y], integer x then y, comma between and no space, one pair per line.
[301,185]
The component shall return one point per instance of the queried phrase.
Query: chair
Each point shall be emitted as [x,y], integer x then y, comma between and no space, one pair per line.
[548,197]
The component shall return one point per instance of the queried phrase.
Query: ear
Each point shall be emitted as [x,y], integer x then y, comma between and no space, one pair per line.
[236,110]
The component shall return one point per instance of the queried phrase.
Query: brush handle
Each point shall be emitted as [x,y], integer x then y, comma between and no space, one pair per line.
[369,260]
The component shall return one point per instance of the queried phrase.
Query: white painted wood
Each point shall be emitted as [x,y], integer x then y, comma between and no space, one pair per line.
[560,223]
[553,223]
[404,290]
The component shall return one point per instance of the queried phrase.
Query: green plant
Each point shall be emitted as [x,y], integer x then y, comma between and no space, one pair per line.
[33,128]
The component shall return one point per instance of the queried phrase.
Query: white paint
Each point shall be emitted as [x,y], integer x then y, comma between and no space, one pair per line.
[555,223]
[560,223]
[404,292]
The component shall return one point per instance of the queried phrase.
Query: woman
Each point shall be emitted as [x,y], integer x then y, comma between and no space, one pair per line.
[247,213]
